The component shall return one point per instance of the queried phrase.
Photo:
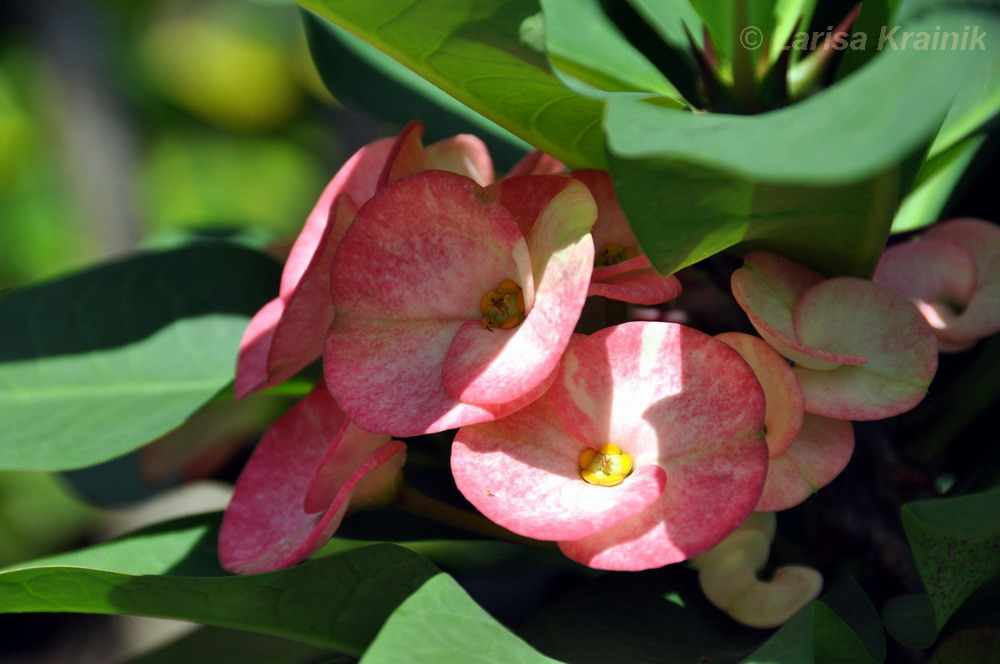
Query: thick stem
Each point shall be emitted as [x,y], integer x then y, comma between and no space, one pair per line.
[412,501]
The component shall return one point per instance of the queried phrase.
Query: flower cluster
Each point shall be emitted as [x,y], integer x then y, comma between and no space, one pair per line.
[442,298]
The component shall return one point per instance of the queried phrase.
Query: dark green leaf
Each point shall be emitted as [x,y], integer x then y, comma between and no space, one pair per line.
[956,543]
[218,645]
[99,363]
[337,602]
[853,606]
[814,635]
[682,214]
[489,55]
[657,616]
[910,620]
[441,623]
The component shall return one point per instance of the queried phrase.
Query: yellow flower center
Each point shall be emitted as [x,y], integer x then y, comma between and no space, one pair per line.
[503,307]
[612,254]
[607,467]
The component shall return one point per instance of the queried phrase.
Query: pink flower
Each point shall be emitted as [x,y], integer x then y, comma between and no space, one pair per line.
[952,274]
[647,450]
[806,451]
[621,270]
[446,313]
[288,332]
[862,352]
[308,469]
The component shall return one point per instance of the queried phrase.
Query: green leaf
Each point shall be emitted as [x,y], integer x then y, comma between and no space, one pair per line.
[910,620]
[814,635]
[956,543]
[694,184]
[655,616]
[853,606]
[584,44]
[354,71]
[936,180]
[97,364]
[682,214]
[441,623]
[488,55]
[870,121]
[337,602]
[218,645]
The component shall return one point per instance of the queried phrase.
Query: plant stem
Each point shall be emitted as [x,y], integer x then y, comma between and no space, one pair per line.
[412,501]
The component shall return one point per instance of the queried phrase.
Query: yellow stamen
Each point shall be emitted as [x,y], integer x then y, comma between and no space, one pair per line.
[502,308]
[607,467]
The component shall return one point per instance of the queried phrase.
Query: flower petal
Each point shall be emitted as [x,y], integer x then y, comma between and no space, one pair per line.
[523,473]
[386,375]
[819,454]
[496,366]
[537,162]
[851,316]
[251,363]
[768,287]
[981,239]
[642,286]
[357,179]
[783,397]
[677,398]
[427,247]
[266,526]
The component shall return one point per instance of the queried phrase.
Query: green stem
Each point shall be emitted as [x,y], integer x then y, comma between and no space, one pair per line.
[412,501]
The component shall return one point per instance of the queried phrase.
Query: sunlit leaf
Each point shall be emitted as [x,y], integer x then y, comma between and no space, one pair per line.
[489,55]
[337,602]
[99,363]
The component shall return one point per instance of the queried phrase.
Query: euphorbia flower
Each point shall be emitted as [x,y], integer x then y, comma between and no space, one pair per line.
[806,451]
[728,575]
[862,351]
[288,332]
[446,314]
[952,274]
[647,450]
[308,469]
[621,270]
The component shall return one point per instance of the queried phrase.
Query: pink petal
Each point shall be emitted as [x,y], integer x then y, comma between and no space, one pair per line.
[657,391]
[357,179]
[816,458]
[704,500]
[981,317]
[298,335]
[251,363]
[929,270]
[266,526]
[642,286]
[427,247]
[768,287]
[464,154]
[605,272]
[783,397]
[522,472]
[850,316]
[386,375]
[525,196]
[611,225]
[406,156]
[537,162]
[496,366]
